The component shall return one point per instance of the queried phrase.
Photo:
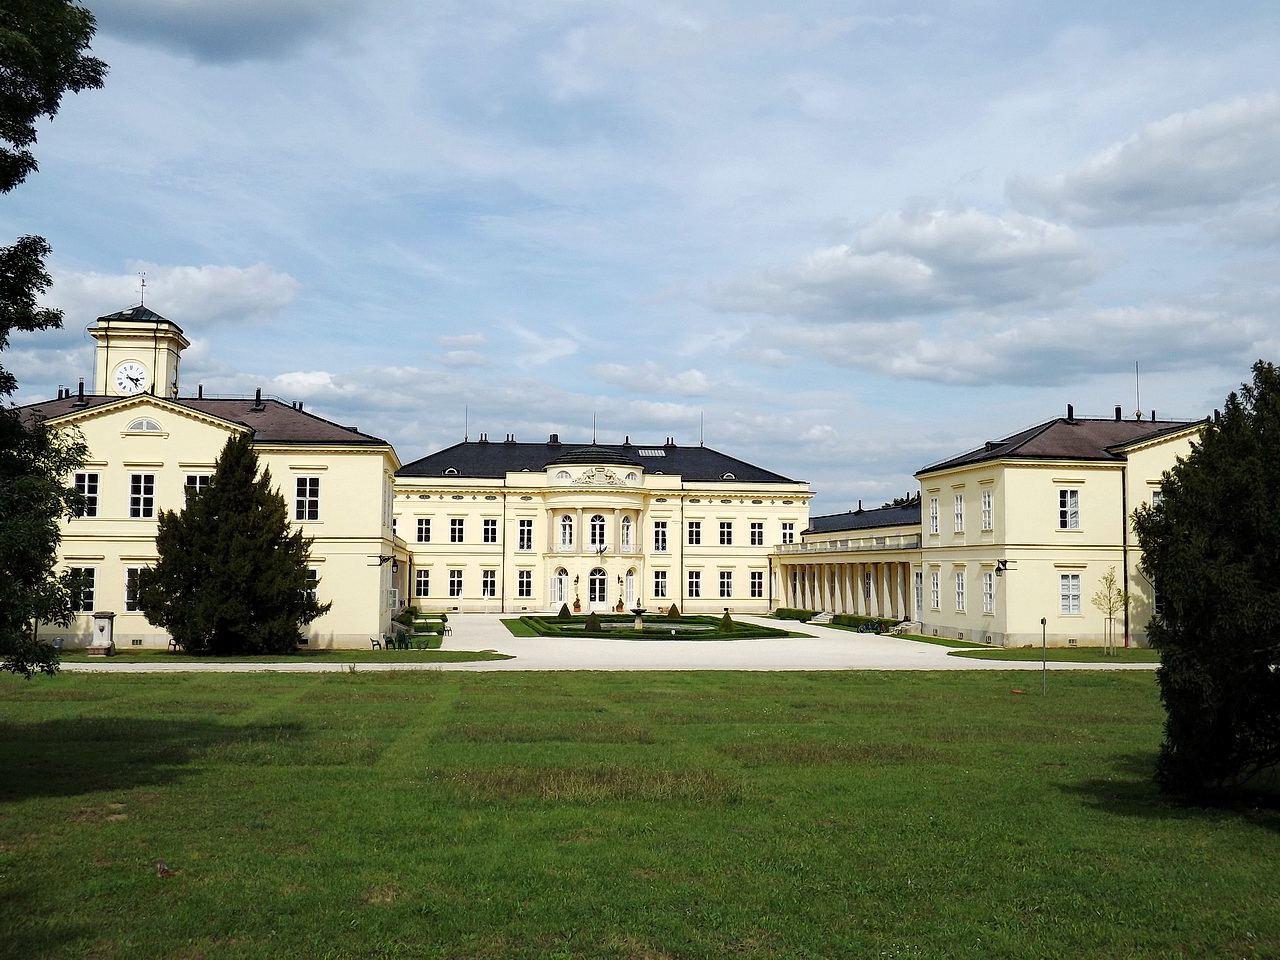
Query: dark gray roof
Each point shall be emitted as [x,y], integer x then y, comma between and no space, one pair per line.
[271,421]
[138,313]
[480,458]
[1062,439]
[866,519]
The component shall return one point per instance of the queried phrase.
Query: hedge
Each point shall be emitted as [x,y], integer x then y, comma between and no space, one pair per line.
[794,613]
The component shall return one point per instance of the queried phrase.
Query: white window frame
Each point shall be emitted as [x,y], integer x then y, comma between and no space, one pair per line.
[566,531]
[659,536]
[988,591]
[306,500]
[726,533]
[694,533]
[959,515]
[524,584]
[455,582]
[959,591]
[488,584]
[626,533]
[457,530]
[788,532]
[757,584]
[660,585]
[726,584]
[142,496]
[424,530]
[695,585]
[1069,594]
[1068,508]
[489,530]
[933,514]
[421,583]
[524,535]
[196,482]
[131,589]
[84,603]
[918,580]
[935,589]
[988,510]
[596,529]
[757,534]
[86,484]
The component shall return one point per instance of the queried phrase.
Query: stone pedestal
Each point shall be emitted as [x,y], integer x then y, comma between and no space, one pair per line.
[104,640]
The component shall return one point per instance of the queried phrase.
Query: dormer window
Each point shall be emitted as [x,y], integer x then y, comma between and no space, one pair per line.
[450,471]
[563,477]
[632,478]
[144,425]
[727,476]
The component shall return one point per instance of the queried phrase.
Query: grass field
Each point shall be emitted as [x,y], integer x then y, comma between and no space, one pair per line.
[639,816]
[301,656]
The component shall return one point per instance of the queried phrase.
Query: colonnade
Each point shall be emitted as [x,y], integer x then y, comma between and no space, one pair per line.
[880,588]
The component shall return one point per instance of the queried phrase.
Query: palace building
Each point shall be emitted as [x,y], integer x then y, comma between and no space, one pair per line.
[479,526]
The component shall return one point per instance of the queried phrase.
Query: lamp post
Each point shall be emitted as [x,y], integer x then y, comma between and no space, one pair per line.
[1044,657]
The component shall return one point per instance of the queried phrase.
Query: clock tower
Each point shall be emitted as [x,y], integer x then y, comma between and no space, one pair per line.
[138,352]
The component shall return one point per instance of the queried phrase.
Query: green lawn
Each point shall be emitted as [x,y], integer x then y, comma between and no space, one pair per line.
[302,656]
[1063,654]
[641,816]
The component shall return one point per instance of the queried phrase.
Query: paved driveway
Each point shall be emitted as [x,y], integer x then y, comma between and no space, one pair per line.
[828,649]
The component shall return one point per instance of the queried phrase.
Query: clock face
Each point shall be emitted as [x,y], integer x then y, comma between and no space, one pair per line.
[131,377]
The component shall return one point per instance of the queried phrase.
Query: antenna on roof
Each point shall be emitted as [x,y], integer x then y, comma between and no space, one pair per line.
[142,301]
[700,443]
[593,428]
[466,411]
[1137,390]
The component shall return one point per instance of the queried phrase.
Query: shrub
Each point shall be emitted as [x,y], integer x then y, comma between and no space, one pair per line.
[564,613]
[726,623]
[592,624]
[673,613]
[794,613]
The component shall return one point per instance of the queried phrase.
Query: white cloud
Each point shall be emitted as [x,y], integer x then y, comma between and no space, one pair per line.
[461,340]
[461,358]
[188,295]
[537,350]
[919,261]
[648,377]
[1174,168]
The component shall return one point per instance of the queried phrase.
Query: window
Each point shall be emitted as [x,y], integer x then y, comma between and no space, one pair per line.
[596,530]
[1068,509]
[726,584]
[659,584]
[424,532]
[959,526]
[660,536]
[933,514]
[560,586]
[524,536]
[987,511]
[142,495]
[695,532]
[145,425]
[757,584]
[490,532]
[131,589]
[695,584]
[312,587]
[488,583]
[422,583]
[935,590]
[524,583]
[87,487]
[1069,593]
[307,504]
[988,591]
[960,591]
[626,533]
[88,577]
[457,529]
[788,533]
[596,586]
[1156,497]
[726,533]
[566,531]
[196,483]
[757,534]
[455,583]
[563,477]
[919,584]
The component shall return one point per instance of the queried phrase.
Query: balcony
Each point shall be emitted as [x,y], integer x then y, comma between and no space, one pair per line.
[910,541]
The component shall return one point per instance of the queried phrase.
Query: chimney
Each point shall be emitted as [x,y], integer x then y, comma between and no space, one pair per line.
[1118,414]
[626,441]
[299,404]
[671,441]
[511,438]
[1071,414]
[1153,416]
[859,504]
[80,400]
[60,389]
[1217,416]
[200,391]
[554,440]
[257,400]
[484,438]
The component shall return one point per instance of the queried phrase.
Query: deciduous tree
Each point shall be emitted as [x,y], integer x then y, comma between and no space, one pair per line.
[231,577]
[42,56]
[1211,547]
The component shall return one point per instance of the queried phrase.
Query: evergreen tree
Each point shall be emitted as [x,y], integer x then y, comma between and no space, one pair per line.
[231,578]
[1211,547]
[42,56]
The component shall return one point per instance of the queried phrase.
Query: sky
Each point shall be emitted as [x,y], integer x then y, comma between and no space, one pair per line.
[838,240]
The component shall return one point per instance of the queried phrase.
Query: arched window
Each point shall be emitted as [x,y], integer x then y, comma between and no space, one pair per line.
[560,587]
[626,533]
[563,477]
[631,588]
[145,425]
[566,531]
[632,478]
[596,586]
[597,530]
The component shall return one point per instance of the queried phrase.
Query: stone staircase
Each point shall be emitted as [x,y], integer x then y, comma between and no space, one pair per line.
[822,617]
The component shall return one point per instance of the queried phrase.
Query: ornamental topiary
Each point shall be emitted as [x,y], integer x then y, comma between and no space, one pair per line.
[673,613]
[592,624]
[564,613]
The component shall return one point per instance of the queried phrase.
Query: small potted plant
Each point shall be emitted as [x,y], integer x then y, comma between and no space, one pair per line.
[577,605]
